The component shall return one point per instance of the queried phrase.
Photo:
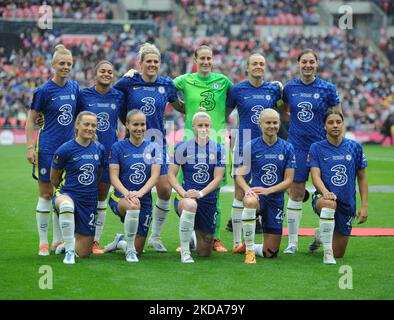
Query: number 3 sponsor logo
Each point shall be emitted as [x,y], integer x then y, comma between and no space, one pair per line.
[66,116]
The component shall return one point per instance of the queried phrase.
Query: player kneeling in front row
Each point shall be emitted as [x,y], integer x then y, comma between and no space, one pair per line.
[203,165]
[271,161]
[335,163]
[75,200]
[134,166]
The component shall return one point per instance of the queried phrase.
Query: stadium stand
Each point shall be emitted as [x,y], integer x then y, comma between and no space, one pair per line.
[358,67]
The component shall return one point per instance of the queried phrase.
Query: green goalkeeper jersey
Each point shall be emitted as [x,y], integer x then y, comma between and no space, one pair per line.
[210,93]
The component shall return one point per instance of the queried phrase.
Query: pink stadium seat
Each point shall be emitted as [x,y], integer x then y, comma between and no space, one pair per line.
[289,19]
[2,121]
[22,123]
[12,122]
[299,20]
[19,13]
[275,21]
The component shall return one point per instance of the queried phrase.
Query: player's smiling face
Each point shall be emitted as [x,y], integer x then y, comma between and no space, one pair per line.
[269,125]
[87,127]
[62,65]
[204,61]
[334,125]
[104,74]
[202,127]
[256,66]
[150,66]
[308,65]
[136,126]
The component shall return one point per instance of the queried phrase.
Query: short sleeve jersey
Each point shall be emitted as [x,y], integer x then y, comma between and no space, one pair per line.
[210,93]
[269,163]
[135,164]
[58,106]
[149,97]
[250,101]
[338,167]
[107,107]
[198,163]
[308,105]
[81,166]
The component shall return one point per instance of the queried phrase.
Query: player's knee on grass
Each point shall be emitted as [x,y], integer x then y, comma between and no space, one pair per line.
[204,243]
[139,244]
[83,245]
[270,253]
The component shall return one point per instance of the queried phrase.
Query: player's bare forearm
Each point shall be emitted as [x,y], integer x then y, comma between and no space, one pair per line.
[317,181]
[285,184]
[242,183]
[215,183]
[54,176]
[179,106]
[363,187]
[115,181]
[172,179]
[30,127]
[152,181]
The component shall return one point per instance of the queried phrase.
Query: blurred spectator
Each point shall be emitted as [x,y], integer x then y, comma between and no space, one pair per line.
[71,9]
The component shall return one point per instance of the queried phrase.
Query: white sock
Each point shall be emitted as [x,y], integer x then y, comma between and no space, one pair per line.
[67,224]
[236,218]
[100,219]
[327,226]
[249,226]
[186,227]
[258,250]
[122,245]
[294,215]
[57,233]
[160,212]
[43,211]
[130,227]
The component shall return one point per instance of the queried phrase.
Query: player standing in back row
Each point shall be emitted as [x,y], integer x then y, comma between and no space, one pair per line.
[56,102]
[307,98]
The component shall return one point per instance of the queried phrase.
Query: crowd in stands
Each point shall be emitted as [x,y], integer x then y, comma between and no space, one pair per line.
[260,12]
[364,80]
[70,9]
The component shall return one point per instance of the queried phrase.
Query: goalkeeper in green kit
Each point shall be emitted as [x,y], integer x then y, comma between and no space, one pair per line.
[207,90]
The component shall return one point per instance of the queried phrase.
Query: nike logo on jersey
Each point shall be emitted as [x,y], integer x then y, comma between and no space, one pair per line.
[326,158]
[53,99]
[76,158]
[91,104]
[126,155]
[259,156]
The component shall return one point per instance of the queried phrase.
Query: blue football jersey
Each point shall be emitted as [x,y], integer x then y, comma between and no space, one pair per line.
[198,163]
[250,101]
[81,165]
[149,97]
[58,106]
[308,105]
[338,167]
[268,163]
[135,164]
[107,107]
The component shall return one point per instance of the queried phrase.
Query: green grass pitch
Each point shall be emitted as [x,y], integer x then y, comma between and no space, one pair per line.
[162,276]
